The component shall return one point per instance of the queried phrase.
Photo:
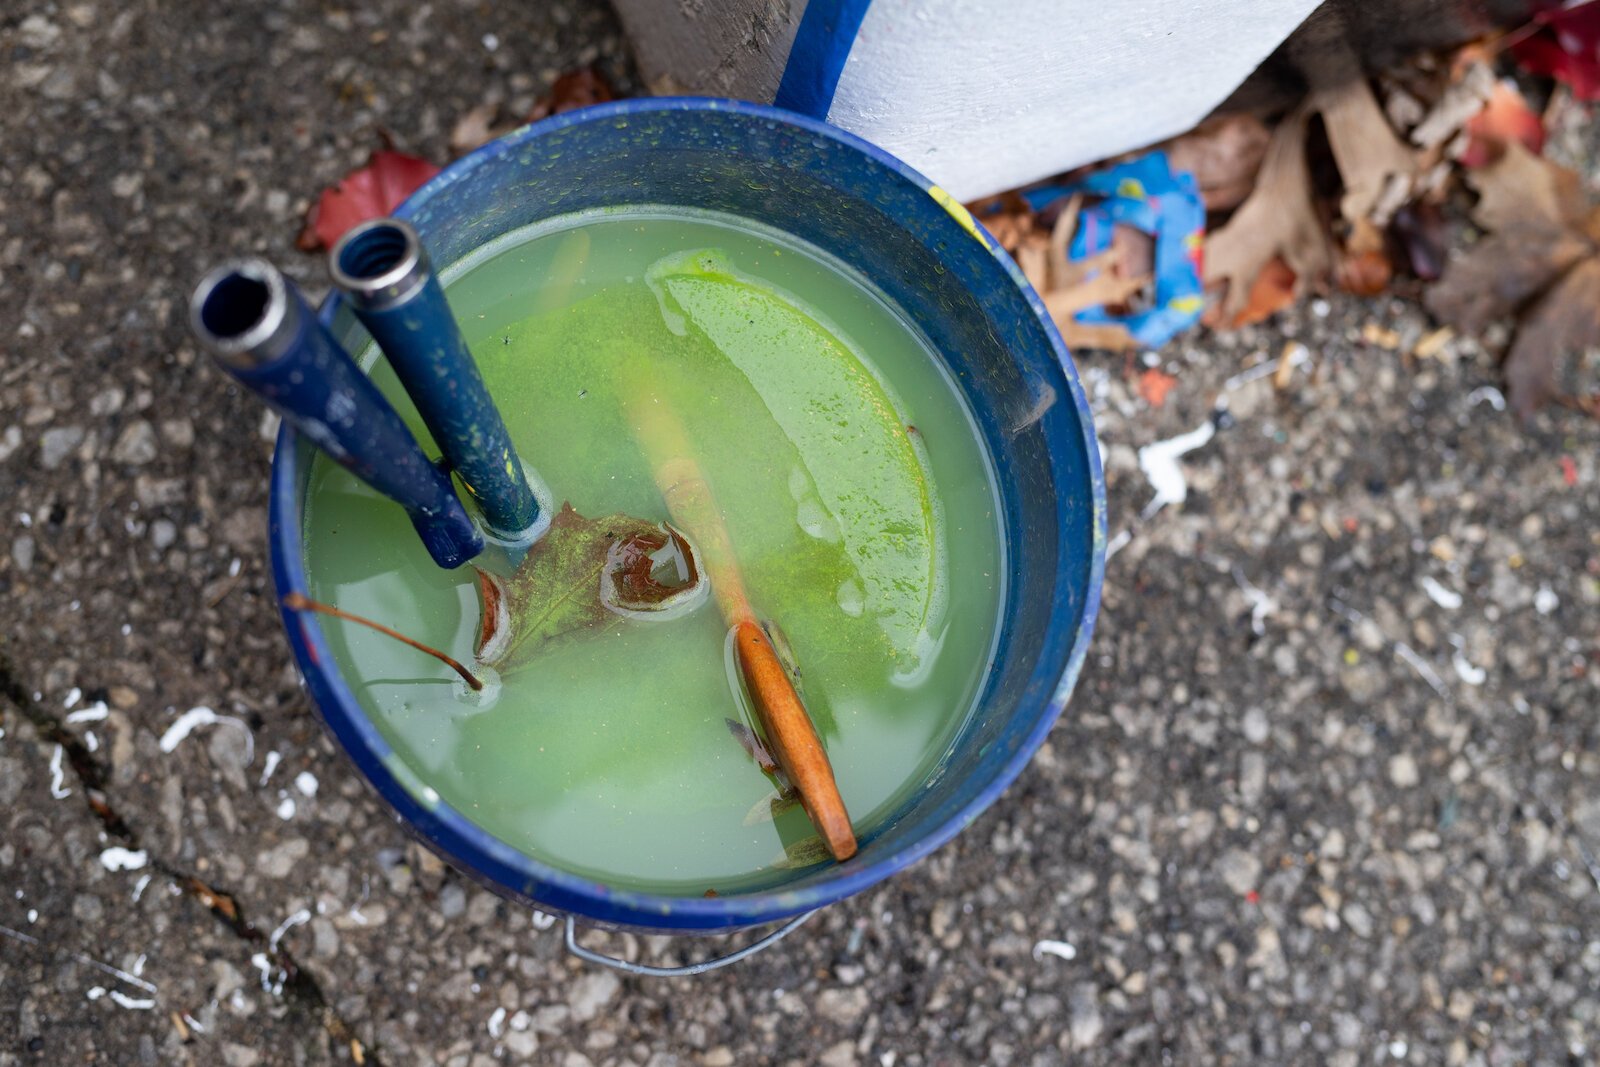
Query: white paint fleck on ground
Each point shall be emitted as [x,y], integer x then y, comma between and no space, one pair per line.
[497,1022]
[299,918]
[269,765]
[1062,949]
[122,859]
[1160,464]
[58,776]
[196,717]
[306,782]
[1446,598]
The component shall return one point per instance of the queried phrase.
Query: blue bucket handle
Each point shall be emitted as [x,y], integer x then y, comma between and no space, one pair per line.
[645,970]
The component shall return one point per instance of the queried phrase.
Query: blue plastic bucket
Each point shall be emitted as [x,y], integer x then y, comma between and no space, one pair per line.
[926,253]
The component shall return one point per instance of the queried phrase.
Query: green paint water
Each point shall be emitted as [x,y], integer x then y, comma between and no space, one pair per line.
[853,486]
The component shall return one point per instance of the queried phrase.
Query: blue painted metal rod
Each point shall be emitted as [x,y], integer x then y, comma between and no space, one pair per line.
[261,331]
[384,272]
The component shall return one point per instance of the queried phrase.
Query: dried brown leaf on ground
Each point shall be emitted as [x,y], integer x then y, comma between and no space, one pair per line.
[1277,220]
[1111,278]
[1524,189]
[477,126]
[1364,268]
[1533,210]
[1542,262]
[574,89]
[1472,84]
[1556,353]
[1271,292]
[1376,167]
[1223,153]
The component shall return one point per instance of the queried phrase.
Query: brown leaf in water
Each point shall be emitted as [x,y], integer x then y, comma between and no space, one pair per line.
[1277,221]
[584,573]
[806,852]
[574,89]
[752,745]
[769,807]
[1224,153]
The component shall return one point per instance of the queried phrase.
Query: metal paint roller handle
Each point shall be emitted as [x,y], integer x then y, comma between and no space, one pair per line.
[384,272]
[262,332]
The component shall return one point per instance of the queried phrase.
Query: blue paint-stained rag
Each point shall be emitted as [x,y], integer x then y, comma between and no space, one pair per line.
[816,60]
[1148,195]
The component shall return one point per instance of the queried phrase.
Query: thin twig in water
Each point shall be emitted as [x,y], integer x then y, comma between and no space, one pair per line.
[296,602]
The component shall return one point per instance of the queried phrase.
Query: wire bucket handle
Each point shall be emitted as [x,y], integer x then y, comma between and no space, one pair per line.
[648,971]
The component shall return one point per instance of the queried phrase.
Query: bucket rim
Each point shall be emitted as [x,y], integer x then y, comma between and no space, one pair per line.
[487,857]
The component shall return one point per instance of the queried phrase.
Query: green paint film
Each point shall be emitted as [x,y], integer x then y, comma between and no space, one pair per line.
[853,486]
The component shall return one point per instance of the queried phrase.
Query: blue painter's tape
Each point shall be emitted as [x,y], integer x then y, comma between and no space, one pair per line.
[816,60]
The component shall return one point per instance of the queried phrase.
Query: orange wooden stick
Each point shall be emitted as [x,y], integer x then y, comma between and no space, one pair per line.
[790,732]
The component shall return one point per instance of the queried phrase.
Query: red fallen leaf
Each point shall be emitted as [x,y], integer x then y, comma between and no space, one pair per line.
[367,192]
[574,89]
[1565,46]
[1154,385]
[1506,117]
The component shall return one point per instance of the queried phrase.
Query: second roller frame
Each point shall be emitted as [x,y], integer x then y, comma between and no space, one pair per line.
[383,270]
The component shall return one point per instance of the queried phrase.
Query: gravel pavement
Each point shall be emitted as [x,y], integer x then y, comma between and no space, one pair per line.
[1329,792]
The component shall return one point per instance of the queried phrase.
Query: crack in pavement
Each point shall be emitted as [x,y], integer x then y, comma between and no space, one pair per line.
[297,985]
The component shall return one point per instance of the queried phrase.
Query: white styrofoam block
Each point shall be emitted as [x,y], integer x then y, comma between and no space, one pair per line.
[983,95]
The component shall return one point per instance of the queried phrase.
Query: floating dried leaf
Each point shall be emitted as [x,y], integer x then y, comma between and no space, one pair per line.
[752,745]
[584,574]
[769,807]
[806,852]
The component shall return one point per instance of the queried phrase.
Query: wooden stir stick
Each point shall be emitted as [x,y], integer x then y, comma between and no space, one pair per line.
[790,733]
